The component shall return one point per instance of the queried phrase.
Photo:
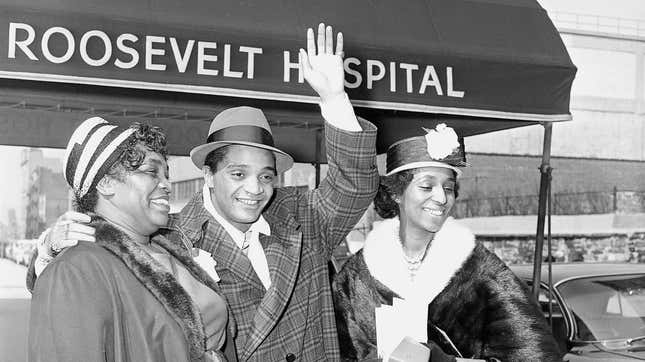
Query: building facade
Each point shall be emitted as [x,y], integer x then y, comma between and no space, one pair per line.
[44,193]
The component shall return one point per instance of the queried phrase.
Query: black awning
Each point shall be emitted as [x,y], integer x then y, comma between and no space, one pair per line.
[479,65]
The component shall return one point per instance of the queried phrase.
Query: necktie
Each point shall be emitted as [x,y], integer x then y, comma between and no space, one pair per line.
[246,243]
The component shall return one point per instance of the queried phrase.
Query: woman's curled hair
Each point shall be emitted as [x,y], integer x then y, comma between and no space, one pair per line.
[389,187]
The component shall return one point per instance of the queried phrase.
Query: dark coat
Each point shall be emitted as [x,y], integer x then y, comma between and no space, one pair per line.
[294,318]
[111,301]
[484,309]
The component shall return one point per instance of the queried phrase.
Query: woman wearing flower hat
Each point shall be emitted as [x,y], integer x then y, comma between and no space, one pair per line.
[468,302]
[132,295]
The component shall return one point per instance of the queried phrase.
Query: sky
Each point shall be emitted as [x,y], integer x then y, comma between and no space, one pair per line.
[10,156]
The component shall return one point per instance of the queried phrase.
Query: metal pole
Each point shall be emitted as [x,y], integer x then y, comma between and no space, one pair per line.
[318,155]
[545,177]
[550,258]
[317,167]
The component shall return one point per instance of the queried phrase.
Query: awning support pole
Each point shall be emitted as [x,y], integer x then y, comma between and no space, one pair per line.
[318,155]
[317,167]
[549,252]
[545,178]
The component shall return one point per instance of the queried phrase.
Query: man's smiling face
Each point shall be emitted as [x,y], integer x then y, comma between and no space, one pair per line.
[242,184]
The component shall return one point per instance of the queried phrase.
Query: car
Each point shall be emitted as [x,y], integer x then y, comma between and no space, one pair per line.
[20,251]
[596,310]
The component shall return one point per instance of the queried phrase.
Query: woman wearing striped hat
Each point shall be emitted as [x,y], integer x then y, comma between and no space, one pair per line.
[132,295]
[422,275]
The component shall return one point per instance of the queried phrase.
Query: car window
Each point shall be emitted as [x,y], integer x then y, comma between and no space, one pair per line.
[626,305]
[606,307]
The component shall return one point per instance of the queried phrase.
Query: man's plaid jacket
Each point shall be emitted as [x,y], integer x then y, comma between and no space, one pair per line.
[294,319]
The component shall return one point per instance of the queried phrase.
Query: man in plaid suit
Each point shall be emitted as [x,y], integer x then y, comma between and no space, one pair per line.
[288,314]
[271,247]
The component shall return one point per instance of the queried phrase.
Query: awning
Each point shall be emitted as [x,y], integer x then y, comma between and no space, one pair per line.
[479,65]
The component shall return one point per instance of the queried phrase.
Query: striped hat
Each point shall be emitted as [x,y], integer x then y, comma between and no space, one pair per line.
[93,148]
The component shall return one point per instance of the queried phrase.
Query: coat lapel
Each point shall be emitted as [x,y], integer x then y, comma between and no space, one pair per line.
[158,281]
[282,249]
[197,272]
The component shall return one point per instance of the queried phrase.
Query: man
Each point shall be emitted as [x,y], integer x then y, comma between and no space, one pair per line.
[271,246]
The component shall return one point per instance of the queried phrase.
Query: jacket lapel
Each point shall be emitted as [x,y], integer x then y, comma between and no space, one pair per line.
[282,249]
[200,230]
[229,256]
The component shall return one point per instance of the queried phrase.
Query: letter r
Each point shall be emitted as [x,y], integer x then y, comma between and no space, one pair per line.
[22,44]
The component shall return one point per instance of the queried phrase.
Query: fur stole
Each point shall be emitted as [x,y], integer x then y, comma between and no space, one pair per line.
[160,282]
[383,256]
[472,296]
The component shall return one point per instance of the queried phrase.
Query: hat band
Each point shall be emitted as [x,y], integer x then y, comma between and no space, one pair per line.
[414,150]
[253,134]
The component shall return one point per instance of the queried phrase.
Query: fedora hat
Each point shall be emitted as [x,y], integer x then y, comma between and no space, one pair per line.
[245,126]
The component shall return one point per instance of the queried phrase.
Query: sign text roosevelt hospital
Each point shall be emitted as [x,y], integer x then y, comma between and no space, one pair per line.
[98,50]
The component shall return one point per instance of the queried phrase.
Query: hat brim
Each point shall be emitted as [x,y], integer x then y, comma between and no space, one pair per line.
[283,161]
[421,164]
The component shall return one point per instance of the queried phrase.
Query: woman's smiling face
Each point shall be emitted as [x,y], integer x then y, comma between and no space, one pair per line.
[428,199]
[143,195]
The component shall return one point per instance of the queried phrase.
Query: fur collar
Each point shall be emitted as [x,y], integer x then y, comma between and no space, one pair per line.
[159,282]
[383,255]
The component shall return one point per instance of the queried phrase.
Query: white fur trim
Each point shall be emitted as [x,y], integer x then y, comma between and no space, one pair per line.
[383,255]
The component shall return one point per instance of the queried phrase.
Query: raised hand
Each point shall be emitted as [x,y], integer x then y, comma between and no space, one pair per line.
[323,69]
[66,232]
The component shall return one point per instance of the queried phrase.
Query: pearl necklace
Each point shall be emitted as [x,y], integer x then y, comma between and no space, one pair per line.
[414,263]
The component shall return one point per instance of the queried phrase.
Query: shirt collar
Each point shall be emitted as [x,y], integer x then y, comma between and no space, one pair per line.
[259,226]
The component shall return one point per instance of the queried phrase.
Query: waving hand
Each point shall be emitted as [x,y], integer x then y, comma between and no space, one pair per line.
[322,66]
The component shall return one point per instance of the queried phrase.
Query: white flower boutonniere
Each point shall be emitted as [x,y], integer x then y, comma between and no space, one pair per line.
[206,262]
[441,141]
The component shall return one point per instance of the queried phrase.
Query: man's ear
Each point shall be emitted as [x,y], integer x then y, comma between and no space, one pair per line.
[208,176]
[106,186]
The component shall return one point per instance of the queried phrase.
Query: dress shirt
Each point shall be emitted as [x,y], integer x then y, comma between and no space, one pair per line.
[339,112]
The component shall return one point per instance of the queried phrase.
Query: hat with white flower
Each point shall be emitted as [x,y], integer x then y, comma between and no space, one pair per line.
[439,147]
